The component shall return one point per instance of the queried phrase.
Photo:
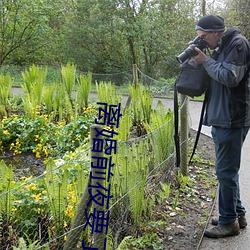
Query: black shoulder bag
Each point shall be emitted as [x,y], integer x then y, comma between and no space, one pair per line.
[191,81]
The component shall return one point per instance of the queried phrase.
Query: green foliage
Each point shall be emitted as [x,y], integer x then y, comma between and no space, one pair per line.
[30,206]
[22,245]
[56,184]
[48,98]
[141,103]
[83,91]
[161,128]
[124,126]
[33,85]
[165,190]
[106,92]
[52,197]
[68,74]
[5,90]
[43,137]
[103,36]
[147,241]
[130,173]
[6,184]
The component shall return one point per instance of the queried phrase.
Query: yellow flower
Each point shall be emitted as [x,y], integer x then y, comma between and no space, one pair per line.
[69,211]
[38,155]
[6,132]
[31,187]
[45,151]
[73,199]
[37,196]
[14,209]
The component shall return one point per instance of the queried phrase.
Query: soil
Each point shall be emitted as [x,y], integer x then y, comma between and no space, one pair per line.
[25,164]
[187,222]
[179,221]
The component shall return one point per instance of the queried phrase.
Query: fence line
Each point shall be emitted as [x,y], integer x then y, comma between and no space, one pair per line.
[167,164]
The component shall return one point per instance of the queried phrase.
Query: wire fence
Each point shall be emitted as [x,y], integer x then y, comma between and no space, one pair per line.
[158,87]
[48,204]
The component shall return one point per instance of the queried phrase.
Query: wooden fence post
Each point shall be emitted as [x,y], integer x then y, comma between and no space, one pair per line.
[135,82]
[76,229]
[135,74]
[99,237]
[184,135]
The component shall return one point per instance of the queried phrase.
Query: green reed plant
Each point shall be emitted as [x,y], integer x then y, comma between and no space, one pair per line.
[164,191]
[161,132]
[56,184]
[5,90]
[106,92]
[48,98]
[62,105]
[130,172]
[141,104]
[83,91]
[33,85]
[135,92]
[6,184]
[124,126]
[146,101]
[68,74]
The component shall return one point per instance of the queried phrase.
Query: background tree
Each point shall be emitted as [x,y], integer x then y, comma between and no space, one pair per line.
[21,25]
[105,36]
[237,13]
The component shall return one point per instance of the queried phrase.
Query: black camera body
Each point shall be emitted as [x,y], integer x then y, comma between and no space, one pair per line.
[190,51]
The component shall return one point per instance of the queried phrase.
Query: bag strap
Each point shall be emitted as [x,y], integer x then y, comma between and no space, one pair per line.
[199,127]
[176,126]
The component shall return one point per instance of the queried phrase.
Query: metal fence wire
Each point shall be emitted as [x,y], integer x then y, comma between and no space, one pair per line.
[53,210]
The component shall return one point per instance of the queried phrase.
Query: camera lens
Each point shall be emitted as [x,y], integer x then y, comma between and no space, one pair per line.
[187,53]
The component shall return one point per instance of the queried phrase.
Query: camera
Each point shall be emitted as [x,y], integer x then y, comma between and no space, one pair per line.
[190,51]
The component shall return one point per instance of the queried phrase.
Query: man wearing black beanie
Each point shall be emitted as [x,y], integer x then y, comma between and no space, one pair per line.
[228,112]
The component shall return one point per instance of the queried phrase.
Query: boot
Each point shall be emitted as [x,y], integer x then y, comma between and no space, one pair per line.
[221,231]
[241,219]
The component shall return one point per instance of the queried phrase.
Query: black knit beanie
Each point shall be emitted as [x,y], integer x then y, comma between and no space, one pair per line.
[211,23]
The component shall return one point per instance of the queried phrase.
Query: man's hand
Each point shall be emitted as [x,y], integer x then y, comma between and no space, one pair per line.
[200,58]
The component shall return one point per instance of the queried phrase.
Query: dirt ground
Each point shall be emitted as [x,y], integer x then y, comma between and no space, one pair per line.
[187,222]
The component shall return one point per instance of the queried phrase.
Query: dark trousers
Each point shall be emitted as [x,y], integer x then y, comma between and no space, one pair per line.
[228,145]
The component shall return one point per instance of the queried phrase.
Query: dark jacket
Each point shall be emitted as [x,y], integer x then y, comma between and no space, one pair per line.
[229,90]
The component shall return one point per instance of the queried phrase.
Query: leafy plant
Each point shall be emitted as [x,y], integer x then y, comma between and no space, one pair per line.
[34,81]
[6,184]
[165,191]
[29,245]
[161,128]
[141,106]
[83,91]
[48,98]
[147,241]
[107,93]
[56,187]
[68,74]
[5,90]
[30,209]
[130,172]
